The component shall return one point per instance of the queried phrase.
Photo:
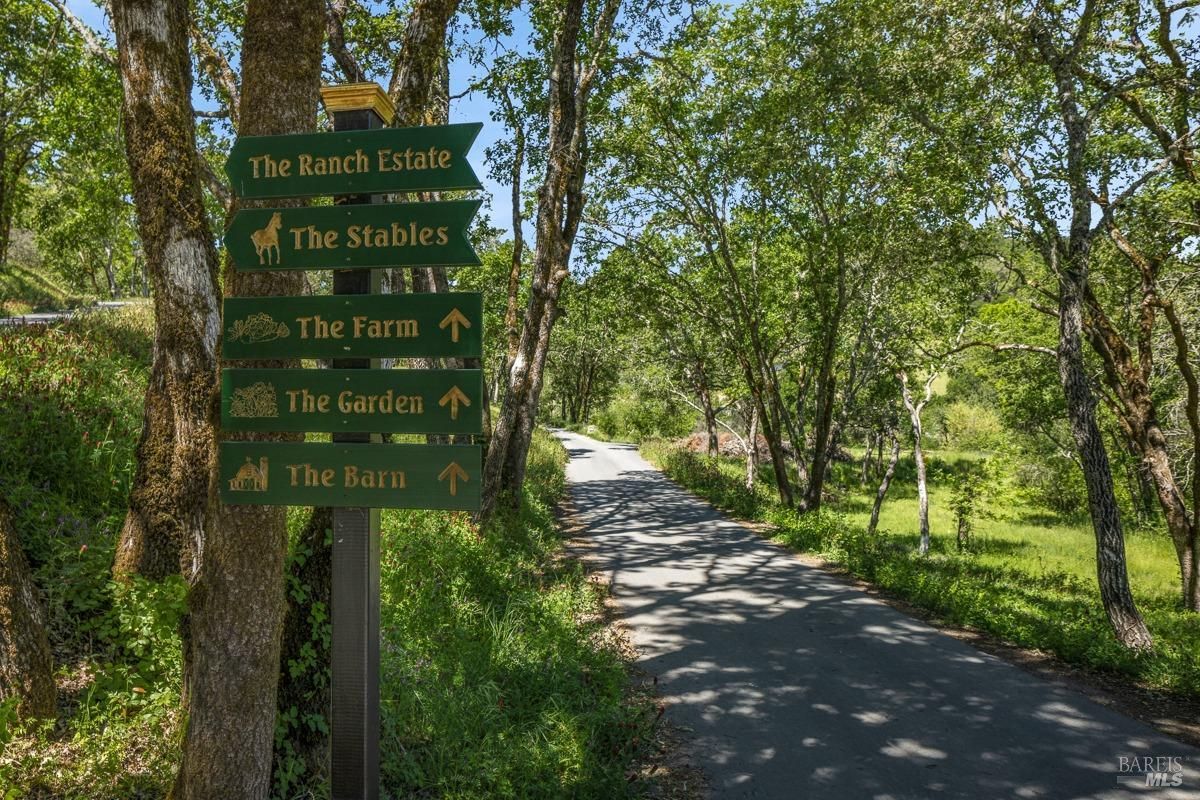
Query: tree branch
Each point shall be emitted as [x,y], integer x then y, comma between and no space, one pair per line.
[91,41]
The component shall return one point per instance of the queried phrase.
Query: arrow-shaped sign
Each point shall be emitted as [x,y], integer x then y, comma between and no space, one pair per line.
[351,236]
[455,473]
[454,397]
[454,319]
[427,158]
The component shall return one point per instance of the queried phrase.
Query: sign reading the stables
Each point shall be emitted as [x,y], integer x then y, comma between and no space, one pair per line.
[377,475]
[349,326]
[429,158]
[372,401]
[341,237]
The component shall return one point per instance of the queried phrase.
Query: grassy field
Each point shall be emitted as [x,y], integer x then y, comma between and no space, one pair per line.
[25,290]
[499,677]
[1027,577]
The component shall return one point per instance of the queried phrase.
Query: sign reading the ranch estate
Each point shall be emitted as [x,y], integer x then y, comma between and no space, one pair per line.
[374,401]
[430,158]
[378,475]
[345,236]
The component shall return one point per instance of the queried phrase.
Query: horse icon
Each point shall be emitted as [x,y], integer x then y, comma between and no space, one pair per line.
[267,239]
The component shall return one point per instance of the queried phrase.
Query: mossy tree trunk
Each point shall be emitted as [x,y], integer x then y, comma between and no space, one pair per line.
[26,667]
[236,600]
[169,504]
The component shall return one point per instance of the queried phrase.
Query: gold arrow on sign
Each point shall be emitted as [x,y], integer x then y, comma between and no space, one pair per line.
[454,319]
[455,473]
[454,397]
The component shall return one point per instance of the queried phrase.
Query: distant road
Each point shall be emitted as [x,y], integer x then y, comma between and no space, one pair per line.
[43,317]
[795,684]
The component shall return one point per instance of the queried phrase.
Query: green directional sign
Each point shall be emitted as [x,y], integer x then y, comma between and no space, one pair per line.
[428,158]
[365,475]
[360,400]
[354,326]
[353,236]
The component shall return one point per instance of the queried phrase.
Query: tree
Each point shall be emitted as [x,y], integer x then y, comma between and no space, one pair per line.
[42,61]
[236,587]
[1029,114]
[26,667]
[576,63]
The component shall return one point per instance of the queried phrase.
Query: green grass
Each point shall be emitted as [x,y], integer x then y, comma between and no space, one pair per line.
[25,290]
[1027,578]
[501,679]
[498,677]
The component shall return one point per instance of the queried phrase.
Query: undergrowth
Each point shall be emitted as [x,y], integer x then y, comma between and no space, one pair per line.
[499,678]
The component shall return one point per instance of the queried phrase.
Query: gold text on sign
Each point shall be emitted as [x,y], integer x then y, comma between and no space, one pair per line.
[352,477]
[302,401]
[361,327]
[310,237]
[455,473]
[454,319]
[384,159]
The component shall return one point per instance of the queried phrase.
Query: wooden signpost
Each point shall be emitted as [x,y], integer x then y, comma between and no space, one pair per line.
[356,401]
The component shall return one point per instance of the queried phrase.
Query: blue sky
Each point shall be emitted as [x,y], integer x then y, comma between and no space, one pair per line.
[474,107]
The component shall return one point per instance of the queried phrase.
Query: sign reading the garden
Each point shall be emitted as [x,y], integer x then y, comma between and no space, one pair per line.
[372,401]
[424,159]
[352,236]
[372,475]
[354,326]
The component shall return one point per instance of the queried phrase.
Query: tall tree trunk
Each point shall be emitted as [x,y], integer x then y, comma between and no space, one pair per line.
[710,417]
[236,601]
[559,211]
[914,414]
[826,399]
[1129,380]
[865,467]
[884,483]
[518,451]
[152,535]
[752,448]
[1111,571]
[26,667]
[169,506]
[1069,257]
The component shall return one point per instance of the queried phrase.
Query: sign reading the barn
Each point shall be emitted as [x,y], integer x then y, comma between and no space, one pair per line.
[375,475]
[352,236]
[424,159]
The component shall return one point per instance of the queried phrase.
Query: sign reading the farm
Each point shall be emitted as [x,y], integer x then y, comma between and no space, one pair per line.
[350,326]
[376,475]
[352,236]
[368,401]
[429,158]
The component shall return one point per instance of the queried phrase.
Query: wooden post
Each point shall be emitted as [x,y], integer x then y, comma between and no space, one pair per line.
[354,741]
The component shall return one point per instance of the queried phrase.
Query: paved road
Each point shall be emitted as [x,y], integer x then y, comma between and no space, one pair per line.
[797,685]
[44,317]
